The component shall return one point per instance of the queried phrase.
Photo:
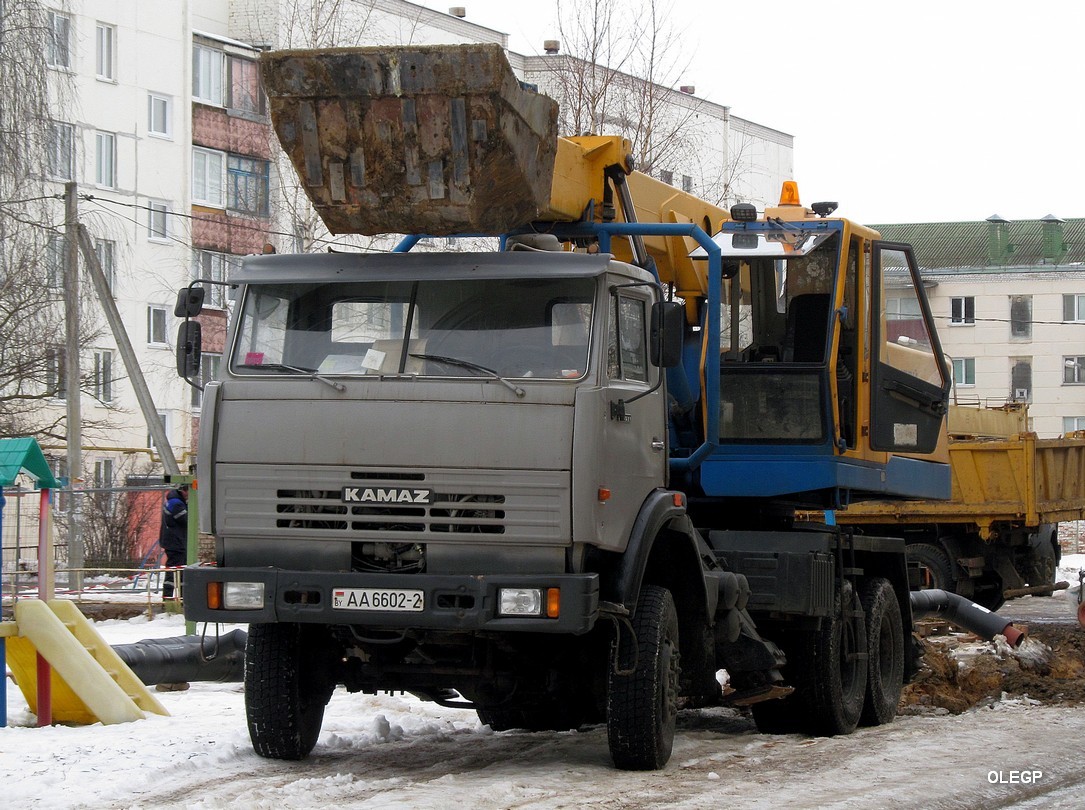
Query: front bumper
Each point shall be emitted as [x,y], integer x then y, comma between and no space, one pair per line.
[453,602]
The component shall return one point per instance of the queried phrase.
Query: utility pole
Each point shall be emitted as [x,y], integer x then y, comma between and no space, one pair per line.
[71,389]
[128,354]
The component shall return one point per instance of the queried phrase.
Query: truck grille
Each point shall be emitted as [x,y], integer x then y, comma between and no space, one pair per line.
[528,505]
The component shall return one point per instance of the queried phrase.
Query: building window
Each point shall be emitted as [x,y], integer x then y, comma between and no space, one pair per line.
[667,177]
[106,251]
[164,418]
[156,326]
[103,479]
[687,184]
[105,51]
[207,70]
[60,159]
[962,311]
[1021,379]
[1073,307]
[103,375]
[158,220]
[1072,423]
[56,261]
[1021,316]
[245,93]
[209,372]
[56,377]
[208,168]
[247,185]
[214,267]
[159,115]
[58,48]
[964,370]
[1073,370]
[105,151]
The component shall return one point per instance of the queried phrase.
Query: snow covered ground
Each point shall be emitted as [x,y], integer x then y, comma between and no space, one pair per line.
[396,752]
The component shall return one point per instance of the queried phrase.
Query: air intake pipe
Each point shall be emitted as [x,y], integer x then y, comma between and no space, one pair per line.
[964,613]
[187,658]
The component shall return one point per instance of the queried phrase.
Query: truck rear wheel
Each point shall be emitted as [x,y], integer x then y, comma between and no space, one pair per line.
[935,570]
[642,706]
[833,683]
[288,682]
[885,646]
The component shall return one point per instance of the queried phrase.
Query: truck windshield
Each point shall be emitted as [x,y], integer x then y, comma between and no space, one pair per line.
[443,328]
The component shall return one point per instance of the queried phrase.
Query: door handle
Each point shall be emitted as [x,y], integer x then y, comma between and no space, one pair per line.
[658,445]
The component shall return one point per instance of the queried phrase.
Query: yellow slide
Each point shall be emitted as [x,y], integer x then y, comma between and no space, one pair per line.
[90,682]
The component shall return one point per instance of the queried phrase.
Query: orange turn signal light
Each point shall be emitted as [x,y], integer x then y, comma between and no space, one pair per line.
[604,494]
[553,602]
[789,193]
[214,595]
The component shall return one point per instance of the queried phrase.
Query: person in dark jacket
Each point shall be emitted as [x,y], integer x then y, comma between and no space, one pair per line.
[173,536]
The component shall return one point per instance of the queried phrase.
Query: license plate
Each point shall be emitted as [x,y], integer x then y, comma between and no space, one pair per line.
[386,599]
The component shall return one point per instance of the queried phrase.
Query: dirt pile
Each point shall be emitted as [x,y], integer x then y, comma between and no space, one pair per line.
[960,672]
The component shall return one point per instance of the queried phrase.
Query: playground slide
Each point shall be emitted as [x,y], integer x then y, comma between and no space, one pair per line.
[90,681]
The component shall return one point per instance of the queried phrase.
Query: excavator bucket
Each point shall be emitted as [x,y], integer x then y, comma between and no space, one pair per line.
[419,140]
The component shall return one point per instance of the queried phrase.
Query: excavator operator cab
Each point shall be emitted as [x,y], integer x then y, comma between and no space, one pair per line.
[830,369]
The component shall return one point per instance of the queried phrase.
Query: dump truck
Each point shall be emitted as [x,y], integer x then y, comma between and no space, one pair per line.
[554,483]
[997,535]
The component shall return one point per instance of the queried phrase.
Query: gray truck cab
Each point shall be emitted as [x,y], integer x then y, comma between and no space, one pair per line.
[412,440]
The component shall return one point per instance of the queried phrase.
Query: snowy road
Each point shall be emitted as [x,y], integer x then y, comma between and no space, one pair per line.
[396,752]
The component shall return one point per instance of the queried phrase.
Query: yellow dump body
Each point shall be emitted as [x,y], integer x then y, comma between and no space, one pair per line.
[1016,479]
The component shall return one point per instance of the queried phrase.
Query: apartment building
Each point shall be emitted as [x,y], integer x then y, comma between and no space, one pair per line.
[1009,301]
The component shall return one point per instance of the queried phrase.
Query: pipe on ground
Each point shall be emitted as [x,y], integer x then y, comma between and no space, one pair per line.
[964,613]
[187,658]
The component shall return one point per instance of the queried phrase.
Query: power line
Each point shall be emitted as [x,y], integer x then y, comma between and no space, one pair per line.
[241,225]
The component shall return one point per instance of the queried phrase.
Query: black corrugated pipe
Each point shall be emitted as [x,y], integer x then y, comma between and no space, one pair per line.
[965,613]
[182,659]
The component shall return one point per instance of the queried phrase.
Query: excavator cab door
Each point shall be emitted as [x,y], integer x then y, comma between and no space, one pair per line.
[910,381]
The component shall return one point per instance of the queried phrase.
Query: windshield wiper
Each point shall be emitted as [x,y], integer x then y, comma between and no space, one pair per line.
[311,373]
[467,364]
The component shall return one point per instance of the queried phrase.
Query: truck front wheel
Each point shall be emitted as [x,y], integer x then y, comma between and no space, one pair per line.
[642,694]
[288,682]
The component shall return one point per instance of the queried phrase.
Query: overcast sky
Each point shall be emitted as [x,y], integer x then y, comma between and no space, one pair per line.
[913,111]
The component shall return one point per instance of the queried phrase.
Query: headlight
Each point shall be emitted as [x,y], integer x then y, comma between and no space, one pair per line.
[520,601]
[244,595]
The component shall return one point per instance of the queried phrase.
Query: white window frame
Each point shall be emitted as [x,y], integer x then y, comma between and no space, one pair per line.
[56,261]
[58,46]
[215,266]
[106,251]
[208,177]
[103,375]
[167,115]
[105,159]
[1072,423]
[208,75]
[61,158]
[1075,302]
[958,310]
[164,417]
[1073,370]
[157,326]
[210,366]
[158,221]
[105,52]
[964,372]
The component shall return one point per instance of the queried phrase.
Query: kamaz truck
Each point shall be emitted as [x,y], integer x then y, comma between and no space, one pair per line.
[555,483]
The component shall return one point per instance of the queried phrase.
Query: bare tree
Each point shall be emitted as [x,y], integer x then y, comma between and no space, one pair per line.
[34,145]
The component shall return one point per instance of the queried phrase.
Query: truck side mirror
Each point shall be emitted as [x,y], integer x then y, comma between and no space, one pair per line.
[189,337]
[189,302]
[667,332]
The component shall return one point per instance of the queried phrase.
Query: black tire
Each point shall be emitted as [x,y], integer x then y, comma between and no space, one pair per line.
[288,682]
[832,685]
[642,707]
[885,646]
[934,566]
